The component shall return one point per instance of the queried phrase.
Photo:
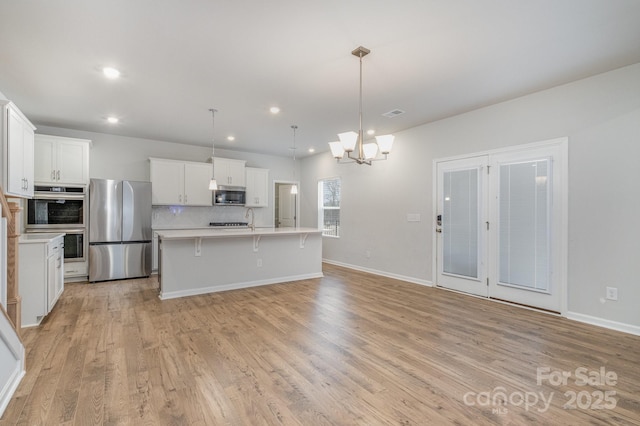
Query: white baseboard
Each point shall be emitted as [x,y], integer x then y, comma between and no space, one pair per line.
[10,388]
[12,355]
[381,273]
[236,286]
[601,322]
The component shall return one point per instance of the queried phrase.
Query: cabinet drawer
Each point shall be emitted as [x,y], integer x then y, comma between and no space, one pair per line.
[73,269]
[53,247]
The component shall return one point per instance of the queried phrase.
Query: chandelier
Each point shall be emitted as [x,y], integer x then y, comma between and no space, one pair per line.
[351,142]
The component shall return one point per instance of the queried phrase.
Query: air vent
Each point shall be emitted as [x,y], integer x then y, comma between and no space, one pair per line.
[393,113]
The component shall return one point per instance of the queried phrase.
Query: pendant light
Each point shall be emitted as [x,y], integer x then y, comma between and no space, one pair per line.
[352,141]
[294,187]
[213,185]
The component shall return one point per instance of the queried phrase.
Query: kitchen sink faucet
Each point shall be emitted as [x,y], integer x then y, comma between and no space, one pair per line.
[252,225]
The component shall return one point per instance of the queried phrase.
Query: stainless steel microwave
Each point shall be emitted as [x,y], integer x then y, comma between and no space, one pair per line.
[229,196]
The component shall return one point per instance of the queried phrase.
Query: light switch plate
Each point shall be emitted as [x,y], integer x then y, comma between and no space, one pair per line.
[413,217]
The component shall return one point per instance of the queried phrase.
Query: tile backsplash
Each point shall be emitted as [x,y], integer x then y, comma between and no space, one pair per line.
[196,217]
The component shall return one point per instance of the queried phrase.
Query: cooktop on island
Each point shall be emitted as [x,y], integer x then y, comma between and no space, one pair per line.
[229,224]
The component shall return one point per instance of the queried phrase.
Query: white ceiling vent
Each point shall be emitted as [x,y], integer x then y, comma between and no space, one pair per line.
[393,113]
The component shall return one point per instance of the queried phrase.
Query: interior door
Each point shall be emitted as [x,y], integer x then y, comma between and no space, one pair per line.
[460,231]
[286,207]
[526,245]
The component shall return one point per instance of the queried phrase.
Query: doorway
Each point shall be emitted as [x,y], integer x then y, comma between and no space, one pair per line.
[500,227]
[285,205]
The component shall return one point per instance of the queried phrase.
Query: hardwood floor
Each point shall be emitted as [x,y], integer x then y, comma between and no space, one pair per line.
[348,349]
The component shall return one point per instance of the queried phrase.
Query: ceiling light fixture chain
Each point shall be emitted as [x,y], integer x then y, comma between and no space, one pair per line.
[349,141]
[213,185]
[294,187]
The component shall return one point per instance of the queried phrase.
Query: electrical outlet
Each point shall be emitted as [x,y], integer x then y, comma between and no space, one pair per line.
[259,263]
[612,293]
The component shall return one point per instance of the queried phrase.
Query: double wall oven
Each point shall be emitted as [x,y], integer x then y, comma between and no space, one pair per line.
[61,209]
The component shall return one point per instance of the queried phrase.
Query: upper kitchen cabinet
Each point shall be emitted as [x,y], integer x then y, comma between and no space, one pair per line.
[229,172]
[61,160]
[17,134]
[180,183]
[257,192]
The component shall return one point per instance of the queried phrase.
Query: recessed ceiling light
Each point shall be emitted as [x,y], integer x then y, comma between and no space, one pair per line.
[371,132]
[231,138]
[110,72]
[312,150]
[113,120]
[274,110]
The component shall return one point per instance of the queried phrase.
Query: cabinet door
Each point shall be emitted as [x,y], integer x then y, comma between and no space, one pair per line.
[196,184]
[257,187]
[51,281]
[15,157]
[229,172]
[236,173]
[27,157]
[44,162]
[167,182]
[59,270]
[72,162]
[221,171]
[154,261]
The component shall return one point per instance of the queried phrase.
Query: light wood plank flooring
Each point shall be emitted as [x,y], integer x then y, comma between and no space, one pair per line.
[348,349]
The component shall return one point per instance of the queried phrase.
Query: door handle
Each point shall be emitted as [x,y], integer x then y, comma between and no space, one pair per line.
[58,175]
[439,230]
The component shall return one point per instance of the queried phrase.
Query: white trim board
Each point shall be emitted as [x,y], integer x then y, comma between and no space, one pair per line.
[380,273]
[601,322]
[587,319]
[12,354]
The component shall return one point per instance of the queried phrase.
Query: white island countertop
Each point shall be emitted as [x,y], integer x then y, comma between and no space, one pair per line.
[179,234]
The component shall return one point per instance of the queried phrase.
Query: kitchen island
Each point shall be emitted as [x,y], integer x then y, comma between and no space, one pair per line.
[198,261]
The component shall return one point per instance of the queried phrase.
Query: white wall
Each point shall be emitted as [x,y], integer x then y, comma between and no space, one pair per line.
[601,117]
[119,157]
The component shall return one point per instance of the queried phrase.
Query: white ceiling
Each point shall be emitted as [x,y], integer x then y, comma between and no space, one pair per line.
[430,58]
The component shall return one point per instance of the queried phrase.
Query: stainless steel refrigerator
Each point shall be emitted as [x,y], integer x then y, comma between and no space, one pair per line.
[119,229]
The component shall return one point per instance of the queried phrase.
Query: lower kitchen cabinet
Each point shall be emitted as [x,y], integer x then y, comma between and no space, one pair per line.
[154,263]
[76,271]
[41,274]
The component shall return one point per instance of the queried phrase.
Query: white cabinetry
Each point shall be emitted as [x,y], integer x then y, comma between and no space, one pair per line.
[16,133]
[180,183]
[61,160]
[41,269]
[229,172]
[154,262]
[257,192]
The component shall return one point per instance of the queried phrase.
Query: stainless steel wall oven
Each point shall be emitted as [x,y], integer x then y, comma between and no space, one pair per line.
[61,209]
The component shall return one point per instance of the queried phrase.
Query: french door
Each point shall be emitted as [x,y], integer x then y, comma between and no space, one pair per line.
[500,225]
[461,211]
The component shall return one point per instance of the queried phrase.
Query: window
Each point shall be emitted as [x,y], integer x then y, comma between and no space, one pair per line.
[329,207]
